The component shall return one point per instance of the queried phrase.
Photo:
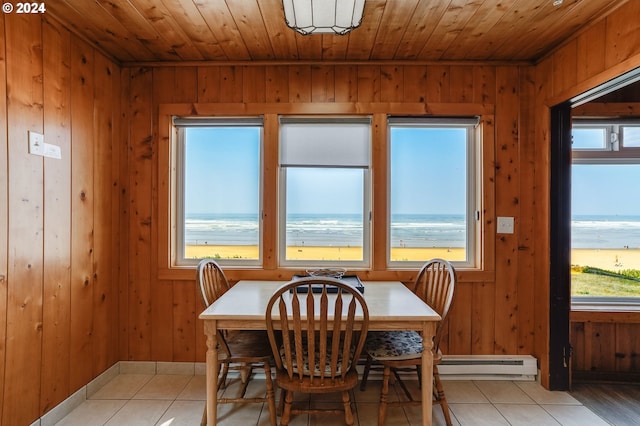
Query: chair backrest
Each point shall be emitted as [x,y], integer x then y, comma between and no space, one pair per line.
[322,332]
[213,284]
[212,281]
[435,284]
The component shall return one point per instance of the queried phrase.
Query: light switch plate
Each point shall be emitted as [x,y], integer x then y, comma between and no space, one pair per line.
[36,143]
[505,225]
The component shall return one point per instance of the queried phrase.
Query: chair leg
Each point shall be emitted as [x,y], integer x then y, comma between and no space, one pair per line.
[419,371]
[286,414]
[442,400]
[365,375]
[283,394]
[270,394]
[382,409]
[348,414]
[203,422]
[222,380]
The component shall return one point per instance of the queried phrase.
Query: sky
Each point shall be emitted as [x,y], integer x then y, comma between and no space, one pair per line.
[427,176]
[603,189]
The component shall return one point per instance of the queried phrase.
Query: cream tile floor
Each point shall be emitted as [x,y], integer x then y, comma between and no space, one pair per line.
[172,400]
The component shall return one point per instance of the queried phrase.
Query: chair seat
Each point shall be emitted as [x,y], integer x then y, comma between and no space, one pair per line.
[316,369]
[310,384]
[394,345]
[248,346]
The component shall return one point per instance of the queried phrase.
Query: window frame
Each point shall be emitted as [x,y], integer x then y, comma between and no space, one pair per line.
[473,184]
[615,154]
[178,229]
[367,198]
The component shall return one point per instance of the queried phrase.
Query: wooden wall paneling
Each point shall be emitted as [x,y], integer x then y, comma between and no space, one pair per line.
[526,225]
[299,83]
[603,346]
[414,83]
[186,308]
[591,51]
[140,213]
[119,239]
[254,84]
[578,342]
[368,83]
[346,81]
[201,339]
[323,84]
[507,204]
[82,213]
[483,318]
[23,56]
[622,35]
[627,348]
[541,212]
[105,292]
[166,88]
[231,81]
[277,86]
[460,326]
[57,217]
[270,160]
[4,210]
[487,187]
[123,206]
[208,84]
[484,85]
[391,83]
[438,79]
[565,67]
[461,88]
[588,346]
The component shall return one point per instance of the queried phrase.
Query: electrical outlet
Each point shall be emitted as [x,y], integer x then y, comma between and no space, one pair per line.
[36,143]
[505,225]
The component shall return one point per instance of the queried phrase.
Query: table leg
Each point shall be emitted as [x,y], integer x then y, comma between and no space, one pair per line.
[428,330]
[210,330]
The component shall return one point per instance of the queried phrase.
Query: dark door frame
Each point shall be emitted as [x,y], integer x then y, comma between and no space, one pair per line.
[560,228]
[560,248]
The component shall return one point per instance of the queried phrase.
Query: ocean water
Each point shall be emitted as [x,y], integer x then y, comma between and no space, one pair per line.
[605,232]
[327,230]
[406,230]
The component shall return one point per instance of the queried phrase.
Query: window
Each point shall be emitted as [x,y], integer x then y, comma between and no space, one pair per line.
[605,218]
[219,190]
[325,191]
[433,211]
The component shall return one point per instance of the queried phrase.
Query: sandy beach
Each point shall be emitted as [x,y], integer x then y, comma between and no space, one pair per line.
[325,253]
[611,259]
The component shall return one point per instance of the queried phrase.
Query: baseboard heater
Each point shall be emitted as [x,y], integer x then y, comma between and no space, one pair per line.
[488,367]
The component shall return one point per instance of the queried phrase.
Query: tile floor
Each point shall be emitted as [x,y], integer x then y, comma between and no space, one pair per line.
[178,399]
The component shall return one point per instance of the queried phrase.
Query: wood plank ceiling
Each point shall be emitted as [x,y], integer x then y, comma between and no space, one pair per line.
[391,30]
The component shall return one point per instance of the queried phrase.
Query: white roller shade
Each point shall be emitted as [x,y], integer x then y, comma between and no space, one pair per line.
[325,143]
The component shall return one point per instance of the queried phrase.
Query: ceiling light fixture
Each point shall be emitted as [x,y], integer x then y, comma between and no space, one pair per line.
[323,16]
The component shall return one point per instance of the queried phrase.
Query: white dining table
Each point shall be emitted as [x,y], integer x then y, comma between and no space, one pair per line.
[392,306]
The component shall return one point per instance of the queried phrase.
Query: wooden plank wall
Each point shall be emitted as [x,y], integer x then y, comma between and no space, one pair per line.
[604,344]
[491,316]
[58,276]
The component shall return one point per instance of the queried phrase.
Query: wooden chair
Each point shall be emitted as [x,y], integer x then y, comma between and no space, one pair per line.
[322,336]
[398,350]
[237,350]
